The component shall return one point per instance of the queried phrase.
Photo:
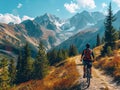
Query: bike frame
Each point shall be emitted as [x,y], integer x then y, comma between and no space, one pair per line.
[87,75]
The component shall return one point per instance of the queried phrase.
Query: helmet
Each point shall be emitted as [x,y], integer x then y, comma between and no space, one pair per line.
[87,45]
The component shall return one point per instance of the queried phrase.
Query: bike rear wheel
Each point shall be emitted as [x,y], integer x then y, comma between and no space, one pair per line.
[86,83]
[88,76]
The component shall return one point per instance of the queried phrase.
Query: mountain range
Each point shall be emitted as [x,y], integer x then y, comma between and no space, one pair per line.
[89,33]
[53,31]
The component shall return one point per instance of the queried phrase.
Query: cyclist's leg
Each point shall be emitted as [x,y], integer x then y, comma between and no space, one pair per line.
[91,70]
[84,68]
[90,63]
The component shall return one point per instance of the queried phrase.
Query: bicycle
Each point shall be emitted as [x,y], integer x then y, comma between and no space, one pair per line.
[86,84]
[87,73]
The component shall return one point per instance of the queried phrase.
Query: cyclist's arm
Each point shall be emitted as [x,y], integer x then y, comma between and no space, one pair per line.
[82,55]
[93,55]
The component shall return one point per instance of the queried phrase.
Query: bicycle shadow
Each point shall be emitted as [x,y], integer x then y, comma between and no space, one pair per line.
[81,86]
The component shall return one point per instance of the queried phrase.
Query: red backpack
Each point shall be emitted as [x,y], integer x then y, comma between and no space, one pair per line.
[87,54]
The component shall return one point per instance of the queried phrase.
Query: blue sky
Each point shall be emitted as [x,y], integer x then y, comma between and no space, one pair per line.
[19,10]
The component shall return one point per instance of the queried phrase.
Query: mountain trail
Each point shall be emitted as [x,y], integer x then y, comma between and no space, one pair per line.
[99,80]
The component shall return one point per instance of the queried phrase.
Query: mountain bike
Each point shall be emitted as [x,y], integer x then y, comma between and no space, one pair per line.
[87,74]
[86,83]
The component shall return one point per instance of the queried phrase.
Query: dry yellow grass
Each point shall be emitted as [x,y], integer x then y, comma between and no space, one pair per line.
[97,50]
[60,78]
[110,64]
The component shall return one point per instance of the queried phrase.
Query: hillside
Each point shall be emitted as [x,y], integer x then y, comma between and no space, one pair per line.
[17,35]
[80,39]
[67,75]
[106,71]
[109,64]
[61,77]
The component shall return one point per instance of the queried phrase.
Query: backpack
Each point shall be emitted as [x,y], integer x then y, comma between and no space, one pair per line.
[87,54]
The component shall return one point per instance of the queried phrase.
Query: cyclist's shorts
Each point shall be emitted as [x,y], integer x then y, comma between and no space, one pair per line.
[87,62]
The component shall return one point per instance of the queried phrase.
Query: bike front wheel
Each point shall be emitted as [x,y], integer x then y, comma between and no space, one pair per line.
[88,82]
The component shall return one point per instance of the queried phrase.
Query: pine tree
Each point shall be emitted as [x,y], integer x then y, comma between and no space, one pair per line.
[52,56]
[41,63]
[4,75]
[103,40]
[73,50]
[109,51]
[12,72]
[119,33]
[24,65]
[98,40]
[110,32]
[65,54]
[60,55]
[19,69]
[27,63]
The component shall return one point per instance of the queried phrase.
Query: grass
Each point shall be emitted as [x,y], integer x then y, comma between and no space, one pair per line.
[111,64]
[61,77]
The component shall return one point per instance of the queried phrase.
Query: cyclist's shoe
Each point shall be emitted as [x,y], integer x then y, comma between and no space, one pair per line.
[90,76]
[83,75]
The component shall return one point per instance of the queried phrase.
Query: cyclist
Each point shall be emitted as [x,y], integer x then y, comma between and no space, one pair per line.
[87,57]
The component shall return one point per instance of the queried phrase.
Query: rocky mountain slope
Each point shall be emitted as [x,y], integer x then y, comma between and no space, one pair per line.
[79,30]
[48,28]
[89,34]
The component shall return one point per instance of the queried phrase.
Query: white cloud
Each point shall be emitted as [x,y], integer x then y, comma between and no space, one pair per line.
[86,3]
[72,7]
[104,5]
[26,18]
[77,4]
[117,2]
[6,18]
[19,5]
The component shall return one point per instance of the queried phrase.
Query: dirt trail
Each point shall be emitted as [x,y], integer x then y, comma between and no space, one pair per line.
[99,81]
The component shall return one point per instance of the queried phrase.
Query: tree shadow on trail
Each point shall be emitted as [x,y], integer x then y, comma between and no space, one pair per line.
[79,64]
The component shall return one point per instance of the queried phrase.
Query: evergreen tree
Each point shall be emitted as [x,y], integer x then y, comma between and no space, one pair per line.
[24,65]
[4,75]
[60,55]
[73,50]
[52,56]
[41,63]
[65,54]
[55,56]
[27,63]
[119,33]
[98,40]
[109,51]
[12,72]
[103,40]
[110,32]
[19,68]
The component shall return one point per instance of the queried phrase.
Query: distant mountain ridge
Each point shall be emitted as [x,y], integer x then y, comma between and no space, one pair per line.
[83,19]
[89,34]
[53,31]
